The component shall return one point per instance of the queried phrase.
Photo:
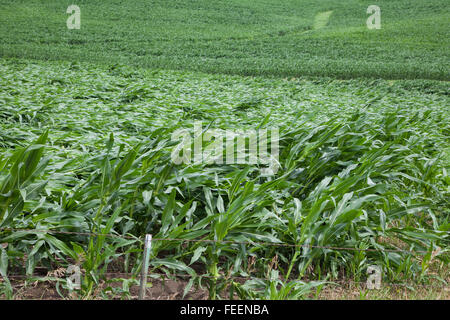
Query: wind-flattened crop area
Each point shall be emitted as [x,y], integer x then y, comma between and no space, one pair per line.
[90,138]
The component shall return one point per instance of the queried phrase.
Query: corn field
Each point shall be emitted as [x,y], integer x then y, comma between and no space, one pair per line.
[92,155]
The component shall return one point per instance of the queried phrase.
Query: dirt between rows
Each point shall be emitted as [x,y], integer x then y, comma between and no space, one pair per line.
[156,290]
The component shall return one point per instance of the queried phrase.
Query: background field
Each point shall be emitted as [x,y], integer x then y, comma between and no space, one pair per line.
[86,118]
[250,37]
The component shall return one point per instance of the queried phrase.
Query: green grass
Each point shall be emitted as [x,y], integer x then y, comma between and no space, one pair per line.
[86,118]
[251,37]
[360,161]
